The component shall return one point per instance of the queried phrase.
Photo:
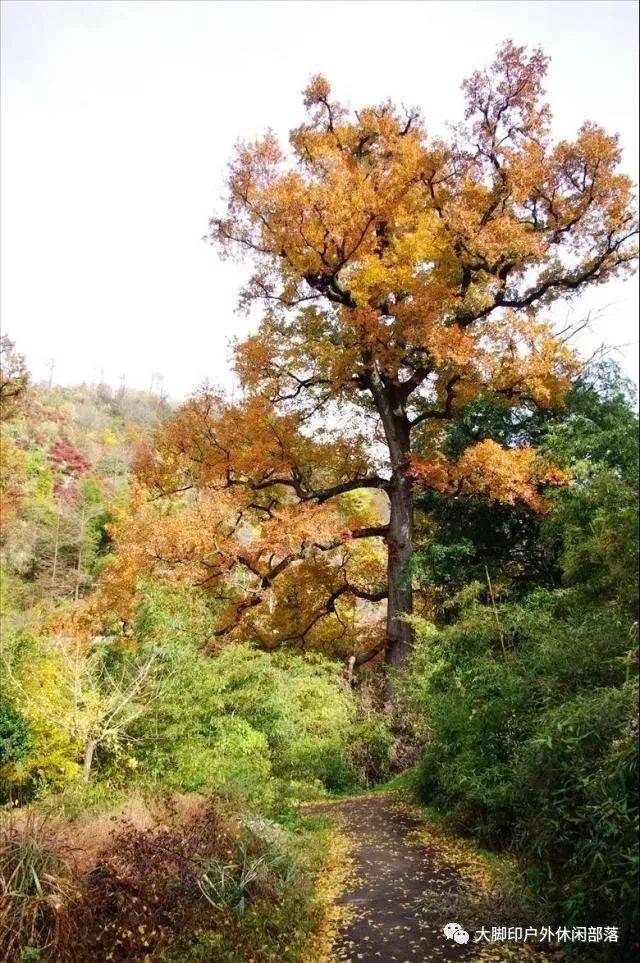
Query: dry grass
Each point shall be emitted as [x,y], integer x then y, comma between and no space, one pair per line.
[45,861]
[88,837]
[37,888]
[141,880]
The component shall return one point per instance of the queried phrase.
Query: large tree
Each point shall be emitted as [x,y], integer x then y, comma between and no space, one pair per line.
[401,275]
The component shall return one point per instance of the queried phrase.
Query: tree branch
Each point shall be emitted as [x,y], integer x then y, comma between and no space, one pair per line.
[322,494]
[445,412]
[365,657]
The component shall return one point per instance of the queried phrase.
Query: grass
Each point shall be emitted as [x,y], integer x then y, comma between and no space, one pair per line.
[404,783]
[35,889]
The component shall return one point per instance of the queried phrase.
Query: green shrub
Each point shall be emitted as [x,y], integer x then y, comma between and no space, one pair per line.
[371,750]
[234,763]
[578,776]
[15,734]
[243,722]
[532,745]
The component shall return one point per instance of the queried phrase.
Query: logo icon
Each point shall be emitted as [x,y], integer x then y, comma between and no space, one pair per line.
[453,931]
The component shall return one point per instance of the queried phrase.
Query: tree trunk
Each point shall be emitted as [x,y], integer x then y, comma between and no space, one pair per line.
[76,594]
[397,430]
[400,549]
[55,557]
[89,749]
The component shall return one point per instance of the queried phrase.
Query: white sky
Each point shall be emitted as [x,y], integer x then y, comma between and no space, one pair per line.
[118,120]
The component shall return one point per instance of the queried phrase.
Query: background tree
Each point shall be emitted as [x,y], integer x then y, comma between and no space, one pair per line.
[83,699]
[403,276]
[516,550]
[14,378]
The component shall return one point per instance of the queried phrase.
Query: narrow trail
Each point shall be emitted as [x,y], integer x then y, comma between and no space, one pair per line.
[393,871]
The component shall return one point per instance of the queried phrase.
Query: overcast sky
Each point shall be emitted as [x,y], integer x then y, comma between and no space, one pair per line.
[118,120]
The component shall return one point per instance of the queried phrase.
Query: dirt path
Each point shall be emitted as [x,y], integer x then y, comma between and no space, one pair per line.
[393,871]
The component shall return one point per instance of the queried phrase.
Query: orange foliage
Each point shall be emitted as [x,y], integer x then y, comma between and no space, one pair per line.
[424,249]
[497,474]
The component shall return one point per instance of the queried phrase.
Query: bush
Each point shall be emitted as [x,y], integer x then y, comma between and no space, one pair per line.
[15,734]
[243,721]
[161,891]
[527,686]
[532,745]
[578,774]
[235,764]
[144,890]
[372,746]
[263,728]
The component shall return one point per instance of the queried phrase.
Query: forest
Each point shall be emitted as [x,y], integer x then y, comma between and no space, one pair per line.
[393,578]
